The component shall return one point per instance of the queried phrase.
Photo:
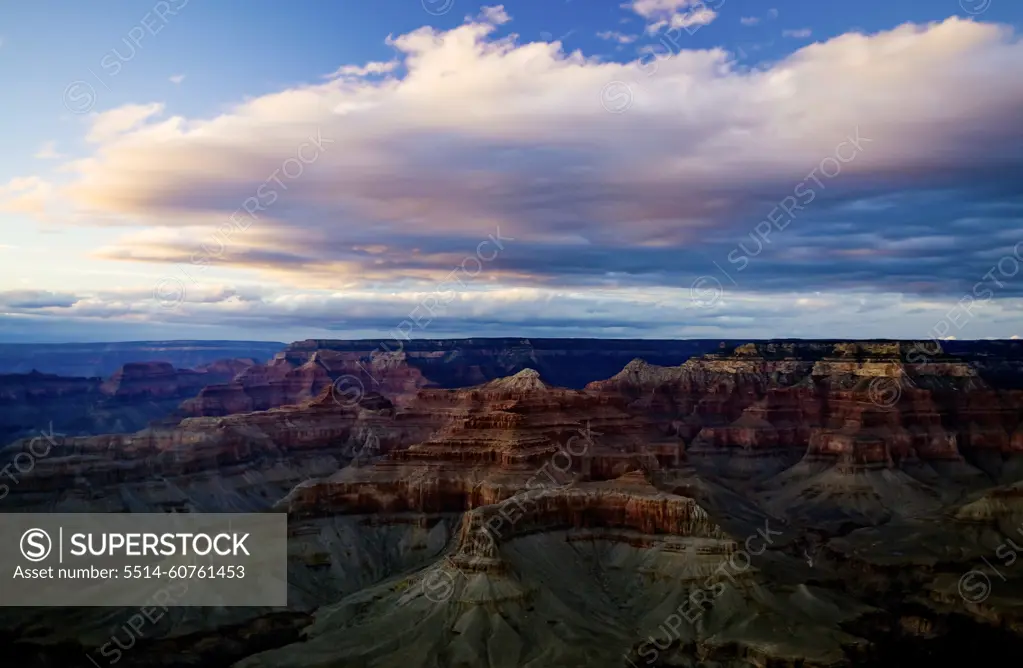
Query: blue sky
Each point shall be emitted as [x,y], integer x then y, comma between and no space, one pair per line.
[634,157]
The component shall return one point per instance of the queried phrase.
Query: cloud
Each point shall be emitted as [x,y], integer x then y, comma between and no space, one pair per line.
[749,20]
[376,67]
[177,78]
[615,36]
[649,9]
[109,125]
[658,312]
[673,14]
[773,13]
[35,299]
[494,15]
[802,32]
[29,195]
[48,151]
[483,135]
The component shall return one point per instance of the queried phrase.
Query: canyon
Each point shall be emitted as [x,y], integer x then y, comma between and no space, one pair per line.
[89,360]
[398,368]
[783,503]
[147,384]
[133,396]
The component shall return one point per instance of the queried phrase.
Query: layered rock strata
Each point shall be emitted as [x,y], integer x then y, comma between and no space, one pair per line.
[861,405]
[252,459]
[131,398]
[288,379]
[398,368]
[493,441]
[514,523]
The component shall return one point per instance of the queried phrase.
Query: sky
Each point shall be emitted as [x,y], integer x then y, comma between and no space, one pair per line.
[190,169]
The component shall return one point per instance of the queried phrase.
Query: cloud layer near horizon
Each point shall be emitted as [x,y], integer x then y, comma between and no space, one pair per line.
[610,180]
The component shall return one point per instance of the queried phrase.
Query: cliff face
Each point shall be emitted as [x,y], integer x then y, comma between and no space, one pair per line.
[488,443]
[863,404]
[753,411]
[253,458]
[702,510]
[160,380]
[291,379]
[133,396]
[398,368]
[563,362]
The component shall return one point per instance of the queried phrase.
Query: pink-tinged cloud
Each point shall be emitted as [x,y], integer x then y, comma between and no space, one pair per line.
[480,133]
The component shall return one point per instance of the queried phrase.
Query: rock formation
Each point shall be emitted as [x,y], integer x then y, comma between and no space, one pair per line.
[771,503]
[858,404]
[398,368]
[290,379]
[490,442]
[131,398]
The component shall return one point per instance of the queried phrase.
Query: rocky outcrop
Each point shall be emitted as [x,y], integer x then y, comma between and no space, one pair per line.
[859,404]
[626,503]
[135,395]
[288,379]
[160,380]
[776,504]
[259,456]
[398,368]
[490,442]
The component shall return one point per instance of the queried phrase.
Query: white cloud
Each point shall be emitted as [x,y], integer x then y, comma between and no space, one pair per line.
[661,312]
[673,14]
[494,15]
[773,13]
[108,125]
[749,20]
[480,133]
[649,9]
[48,151]
[801,33]
[177,78]
[684,21]
[615,36]
[375,67]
